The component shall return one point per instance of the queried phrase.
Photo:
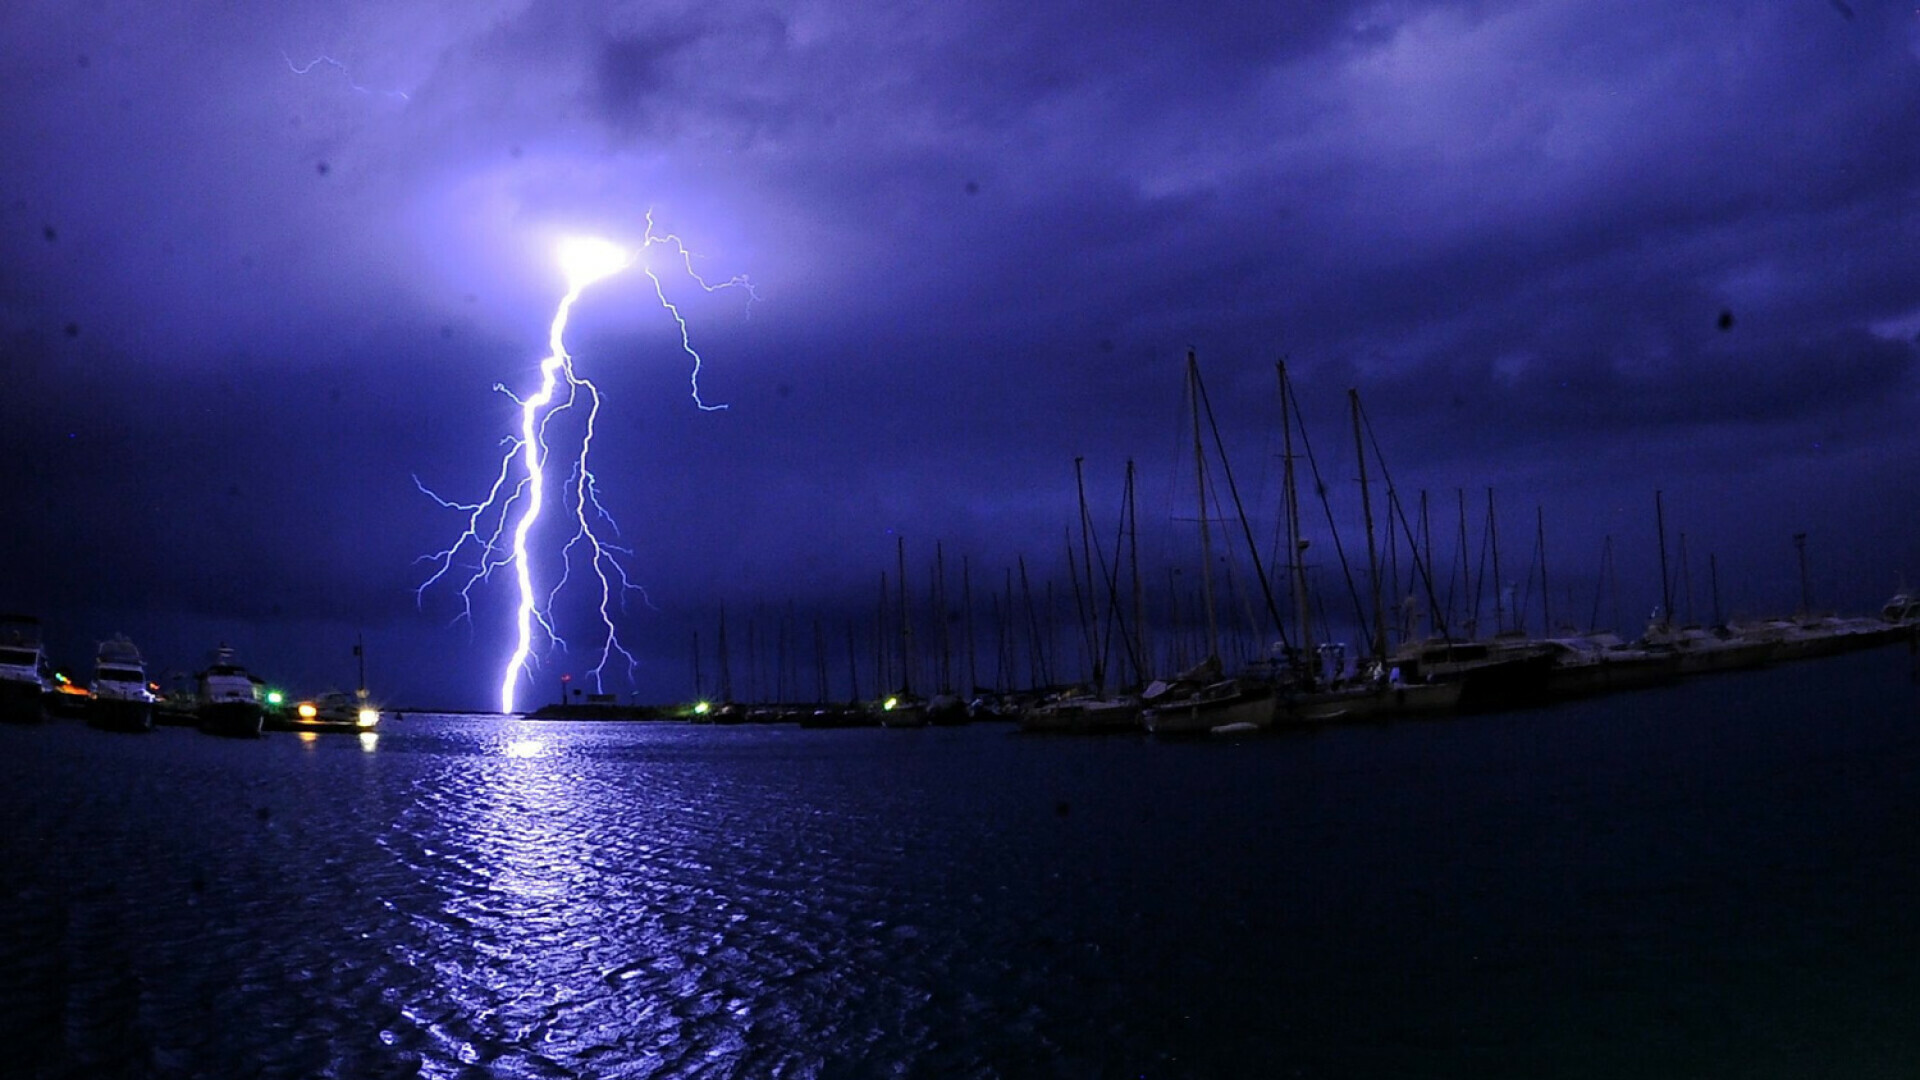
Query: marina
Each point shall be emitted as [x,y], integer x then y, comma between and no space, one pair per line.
[633,541]
[1426,681]
[1711,877]
[223,699]
[1243,638]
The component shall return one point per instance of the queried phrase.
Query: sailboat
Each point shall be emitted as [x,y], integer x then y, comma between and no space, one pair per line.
[1326,693]
[904,708]
[1697,650]
[1599,662]
[1506,670]
[1204,701]
[945,708]
[1092,710]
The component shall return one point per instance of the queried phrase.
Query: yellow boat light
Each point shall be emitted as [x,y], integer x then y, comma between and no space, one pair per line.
[307,710]
[369,717]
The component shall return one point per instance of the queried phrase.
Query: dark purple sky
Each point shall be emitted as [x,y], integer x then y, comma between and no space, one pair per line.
[242,307]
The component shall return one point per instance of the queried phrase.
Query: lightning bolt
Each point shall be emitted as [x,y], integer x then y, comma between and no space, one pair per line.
[686,260]
[500,527]
[344,73]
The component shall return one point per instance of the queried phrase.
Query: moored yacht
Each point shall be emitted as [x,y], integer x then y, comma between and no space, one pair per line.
[1602,664]
[1201,702]
[229,700]
[902,710]
[119,698]
[1505,672]
[1228,705]
[1370,700]
[1079,713]
[852,714]
[1806,637]
[335,710]
[26,676]
[946,710]
[1701,651]
[1903,610]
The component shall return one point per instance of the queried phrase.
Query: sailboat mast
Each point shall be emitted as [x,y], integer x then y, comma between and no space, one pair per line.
[853,666]
[698,683]
[1666,580]
[1377,641]
[1686,582]
[1806,587]
[1008,630]
[753,659]
[1039,671]
[1426,543]
[906,629]
[1540,541]
[1296,549]
[1713,580]
[726,670]
[1200,495]
[1140,664]
[973,651]
[940,613]
[1493,541]
[882,656]
[1467,586]
[1600,586]
[819,663]
[1090,611]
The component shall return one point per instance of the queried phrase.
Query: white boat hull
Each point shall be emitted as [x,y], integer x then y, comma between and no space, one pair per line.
[1201,714]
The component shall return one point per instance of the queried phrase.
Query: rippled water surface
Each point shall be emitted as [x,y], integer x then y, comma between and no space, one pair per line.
[1717,879]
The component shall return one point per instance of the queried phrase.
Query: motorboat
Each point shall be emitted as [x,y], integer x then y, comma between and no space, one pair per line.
[336,711]
[119,698]
[26,676]
[229,700]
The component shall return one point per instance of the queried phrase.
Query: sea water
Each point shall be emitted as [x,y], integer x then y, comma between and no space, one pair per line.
[1718,878]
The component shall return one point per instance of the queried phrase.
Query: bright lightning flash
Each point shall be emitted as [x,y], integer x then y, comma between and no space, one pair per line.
[583,261]
[344,73]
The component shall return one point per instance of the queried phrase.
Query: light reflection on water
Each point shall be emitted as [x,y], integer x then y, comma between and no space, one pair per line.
[369,741]
[589,903]
[1658,880]
[523,748]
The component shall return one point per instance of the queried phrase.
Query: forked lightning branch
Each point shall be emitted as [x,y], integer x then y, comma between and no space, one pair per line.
[501,528]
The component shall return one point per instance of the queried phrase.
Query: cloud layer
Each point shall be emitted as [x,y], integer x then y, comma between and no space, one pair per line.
[258,272]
